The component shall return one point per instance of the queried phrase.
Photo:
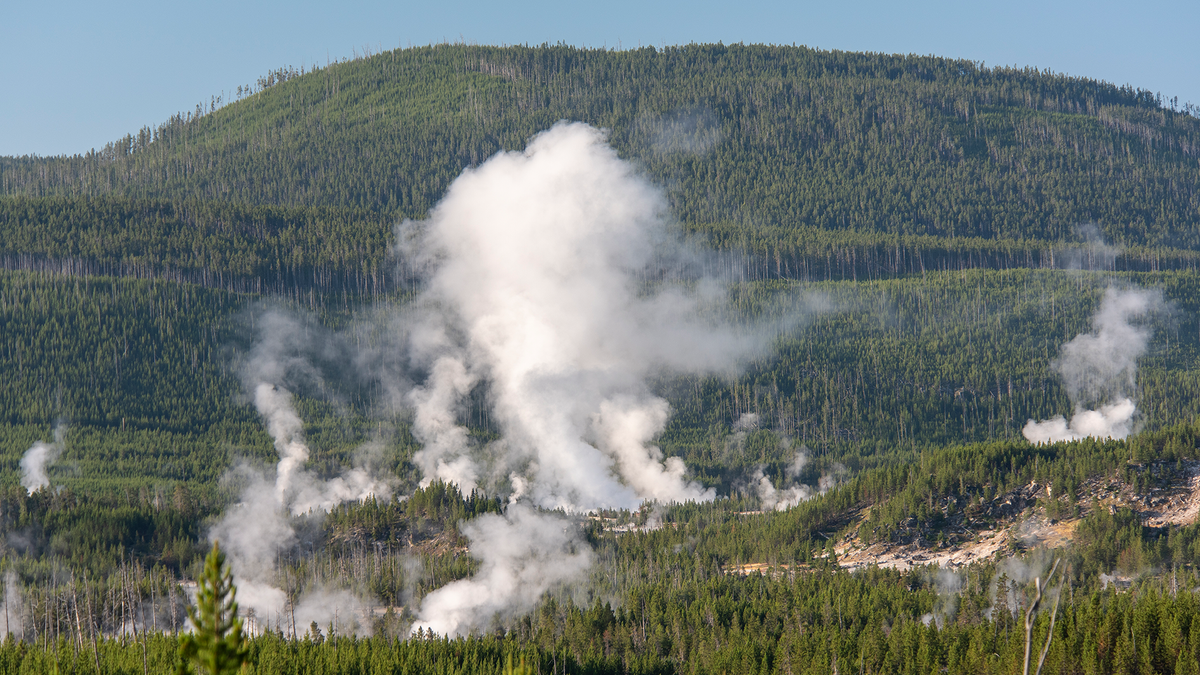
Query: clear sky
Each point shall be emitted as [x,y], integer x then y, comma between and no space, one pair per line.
[77,74]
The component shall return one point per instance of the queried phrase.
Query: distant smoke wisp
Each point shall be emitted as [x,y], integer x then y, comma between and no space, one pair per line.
[1012,575]
[14,607]
[36,462]
[949,585]
[692,131]
[1099,369]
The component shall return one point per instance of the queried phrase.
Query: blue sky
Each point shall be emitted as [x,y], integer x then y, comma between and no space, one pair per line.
[79,74]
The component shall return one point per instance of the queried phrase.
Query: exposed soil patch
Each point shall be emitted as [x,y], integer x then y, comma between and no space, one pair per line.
[444,543]
[1178,504]
[1016,520]
[1170,496]
[904,557]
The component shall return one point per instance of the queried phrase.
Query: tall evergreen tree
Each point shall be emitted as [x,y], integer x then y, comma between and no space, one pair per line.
[217,646]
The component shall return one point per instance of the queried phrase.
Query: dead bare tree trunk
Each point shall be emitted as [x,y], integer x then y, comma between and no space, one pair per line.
[153,602]
[136,596]
[1031,613]
[78,623]
[87,594]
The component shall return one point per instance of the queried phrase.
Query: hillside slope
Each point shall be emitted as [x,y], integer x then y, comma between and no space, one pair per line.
[209,335]
[755,135]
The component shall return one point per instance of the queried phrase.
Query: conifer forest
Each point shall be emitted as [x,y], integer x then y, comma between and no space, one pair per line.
[709,359]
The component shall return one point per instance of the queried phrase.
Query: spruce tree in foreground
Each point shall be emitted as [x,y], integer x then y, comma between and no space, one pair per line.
[217,645]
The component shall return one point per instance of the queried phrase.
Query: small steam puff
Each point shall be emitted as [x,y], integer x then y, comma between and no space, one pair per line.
[523,554]
[949,585]
[784,498]
[793,491]
[536,266]
[1101,367]
[37,460]
[1014,574]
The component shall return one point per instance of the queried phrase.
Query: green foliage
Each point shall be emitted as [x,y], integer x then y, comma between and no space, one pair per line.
[143,373]
[521,668]
[216,647]
[118,353]
[907,218]
[258,249]
[769,134]
[819,164]
[806,623]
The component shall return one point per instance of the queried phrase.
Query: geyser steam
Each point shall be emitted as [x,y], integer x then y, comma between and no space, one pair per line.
[37,460]
[552,288]
[552,282]
[255,530]
[522,555]
[14,607]
[545,285]
[1099,369]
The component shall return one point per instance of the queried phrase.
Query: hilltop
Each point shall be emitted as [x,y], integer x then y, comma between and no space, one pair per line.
[822,163]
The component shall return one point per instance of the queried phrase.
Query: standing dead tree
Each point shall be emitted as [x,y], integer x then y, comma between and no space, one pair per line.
[1031,614]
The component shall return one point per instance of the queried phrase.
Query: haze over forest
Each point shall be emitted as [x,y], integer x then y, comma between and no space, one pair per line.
[708,358]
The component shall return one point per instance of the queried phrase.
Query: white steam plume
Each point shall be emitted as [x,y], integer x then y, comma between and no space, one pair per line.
[14,607]
[258,528]
[37,460]
[949,585]
[1016,574]
[1099,369]
[538,266]
[522,554]
[445,442]
[286,428]
[554,287]
[793,492]
[295,488]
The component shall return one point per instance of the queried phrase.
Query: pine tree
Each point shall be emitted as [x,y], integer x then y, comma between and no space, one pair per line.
[217,646]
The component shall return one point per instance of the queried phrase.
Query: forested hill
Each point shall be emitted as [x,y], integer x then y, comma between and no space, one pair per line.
[880,423]
[763,147]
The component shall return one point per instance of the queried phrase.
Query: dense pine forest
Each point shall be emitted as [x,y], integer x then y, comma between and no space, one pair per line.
[911,242]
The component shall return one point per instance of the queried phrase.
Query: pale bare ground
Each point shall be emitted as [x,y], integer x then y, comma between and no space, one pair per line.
[1181,508]
[986,545]
[1178,504]
[756,568]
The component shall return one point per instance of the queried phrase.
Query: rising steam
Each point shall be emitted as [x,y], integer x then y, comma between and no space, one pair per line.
[792,492]
[545,286]
[1099,369]
[551,289]
[554,285]
[258,528]
[948,584]
[522,554]
[37,461]
[14,607]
